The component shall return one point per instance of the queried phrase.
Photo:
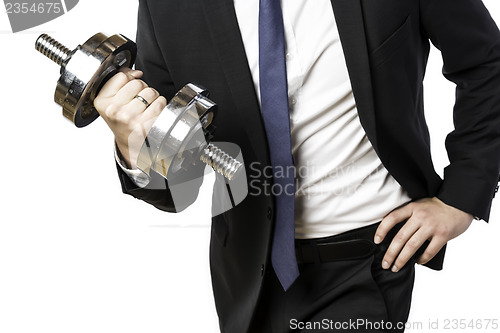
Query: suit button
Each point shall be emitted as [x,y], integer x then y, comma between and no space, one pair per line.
[262,270]
[269,213]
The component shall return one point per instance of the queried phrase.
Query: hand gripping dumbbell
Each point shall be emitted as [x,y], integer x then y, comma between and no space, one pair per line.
[180,135]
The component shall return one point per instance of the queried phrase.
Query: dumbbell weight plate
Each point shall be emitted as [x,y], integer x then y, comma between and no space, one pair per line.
[178,134]
[85,71]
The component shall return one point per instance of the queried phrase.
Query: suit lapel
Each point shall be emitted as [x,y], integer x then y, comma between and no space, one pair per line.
[349,18]
[224,31]
[225,34]
[223,26]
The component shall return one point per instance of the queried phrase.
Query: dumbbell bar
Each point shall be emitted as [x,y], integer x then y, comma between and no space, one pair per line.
[180,135]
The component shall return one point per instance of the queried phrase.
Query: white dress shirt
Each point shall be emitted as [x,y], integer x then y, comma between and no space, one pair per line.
[341,182]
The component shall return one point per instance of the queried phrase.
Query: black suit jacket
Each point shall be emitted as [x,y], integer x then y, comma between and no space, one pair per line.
[386,45]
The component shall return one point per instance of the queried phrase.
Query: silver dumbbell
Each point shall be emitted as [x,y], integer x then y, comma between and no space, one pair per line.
[181,134]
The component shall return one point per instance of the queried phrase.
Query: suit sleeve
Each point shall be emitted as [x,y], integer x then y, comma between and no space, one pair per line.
[469,41]
[158,192]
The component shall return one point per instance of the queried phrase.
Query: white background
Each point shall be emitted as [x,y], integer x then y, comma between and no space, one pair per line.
[76,255]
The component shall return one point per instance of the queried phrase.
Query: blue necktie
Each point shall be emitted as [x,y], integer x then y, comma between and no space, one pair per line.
[274,101]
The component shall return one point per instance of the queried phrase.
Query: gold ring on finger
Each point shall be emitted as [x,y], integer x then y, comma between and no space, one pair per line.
[143,100]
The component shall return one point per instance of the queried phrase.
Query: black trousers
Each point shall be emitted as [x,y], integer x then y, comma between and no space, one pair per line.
[344,295]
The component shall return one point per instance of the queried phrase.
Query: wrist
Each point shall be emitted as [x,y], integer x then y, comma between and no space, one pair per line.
[124,157]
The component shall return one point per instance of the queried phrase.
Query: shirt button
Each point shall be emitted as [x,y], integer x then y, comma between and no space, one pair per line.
[289,56]
[269,213]
[293,100]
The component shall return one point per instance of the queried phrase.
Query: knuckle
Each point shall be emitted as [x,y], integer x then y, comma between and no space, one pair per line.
[162,101]
[121,77]
[392,215]
[425,257]
[413,244]
[385,226]
[399,263]
[136,85]
[158,104]
[395,217]
[431,228]
[123,118]
[391,253]
[381,230]
[154,91]
[443,232]
[110,111]
[400,236]
[421,214]
[98,104]
[150,91]
[410,206]
[142,83]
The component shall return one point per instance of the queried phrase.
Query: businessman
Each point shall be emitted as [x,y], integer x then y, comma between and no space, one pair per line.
[332,90]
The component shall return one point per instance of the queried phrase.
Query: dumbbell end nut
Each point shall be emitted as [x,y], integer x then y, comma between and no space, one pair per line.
[220,161]
[52,49]
[85,70]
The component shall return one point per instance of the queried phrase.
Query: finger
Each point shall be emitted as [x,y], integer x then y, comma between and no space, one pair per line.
[404,234]
[149,95]
[117,82]
[393,218]
[137,74]
[154,110]
[410,248]
[432,249]
[149,116]
[128,92]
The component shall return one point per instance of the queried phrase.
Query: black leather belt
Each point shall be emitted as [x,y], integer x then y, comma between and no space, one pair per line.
[350,245]
[346,250]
